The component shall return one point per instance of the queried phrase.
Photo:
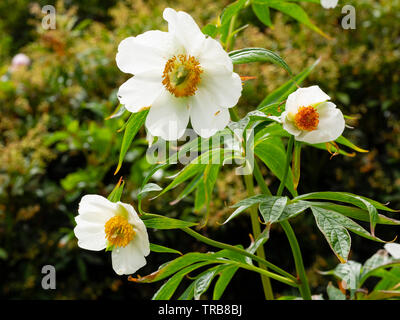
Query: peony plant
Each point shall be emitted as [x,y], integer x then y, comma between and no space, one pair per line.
[183,81]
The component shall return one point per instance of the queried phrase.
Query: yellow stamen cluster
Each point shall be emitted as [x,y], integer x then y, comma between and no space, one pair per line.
[182,75]
[119,232]
[307,118]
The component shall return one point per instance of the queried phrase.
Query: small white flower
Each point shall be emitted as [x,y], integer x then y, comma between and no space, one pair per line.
[179,74]
[311,118]
[104,224]
[393,249]
[329,4]
[20,60]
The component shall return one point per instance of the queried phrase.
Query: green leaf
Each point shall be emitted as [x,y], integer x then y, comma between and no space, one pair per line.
[346,223]
[116,194]
[295,11]
[169,287]
[337,236]
[261,10]
[281,93]
[226,275]
[342,140]
[210,30]
[164,223]
[345,197]
[243,205]
[162,249]
[227,14]
[349,272]
[249,55]
[272,152]
[176,265]
[296,163]
[272,209]
[135,122]
[149,187]
[355,213]
[334,293]
[189,188]
[202,283]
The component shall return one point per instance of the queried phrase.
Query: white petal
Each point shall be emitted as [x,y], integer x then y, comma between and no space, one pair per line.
[127,260]
[168,116]
[90,236]
[207,118]
[223,89]
[288,125]
[140,91]
[141,236]
[94,212]
[304,97]
[212,56]
[185,29]
[330,127]
[147,51]
[393,249]
[95,209]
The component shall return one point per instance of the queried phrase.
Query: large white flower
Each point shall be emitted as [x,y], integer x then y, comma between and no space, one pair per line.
[104,224]
[179,74]
[311,118]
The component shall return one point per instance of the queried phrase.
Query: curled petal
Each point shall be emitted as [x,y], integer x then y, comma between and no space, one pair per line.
[304,97]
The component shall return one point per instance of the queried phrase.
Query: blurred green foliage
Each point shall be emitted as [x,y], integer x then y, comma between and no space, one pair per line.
[55,144]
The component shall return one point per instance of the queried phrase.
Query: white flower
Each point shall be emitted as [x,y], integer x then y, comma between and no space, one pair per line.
[20,60]
[311,118]
[393,249]
[179,74]
[103,224]
[329,4]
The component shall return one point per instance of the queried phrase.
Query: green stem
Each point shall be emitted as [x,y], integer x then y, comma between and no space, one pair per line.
[226,246]
[248,179]
[287,164]
[298,260]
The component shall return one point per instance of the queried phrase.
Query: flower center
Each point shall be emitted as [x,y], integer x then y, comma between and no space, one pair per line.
[119,232]
[306,118]
[182,75]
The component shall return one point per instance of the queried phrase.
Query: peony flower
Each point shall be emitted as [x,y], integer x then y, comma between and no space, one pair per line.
[393,249]
[311,118]
[179,74]
[329,4]
[104,224]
